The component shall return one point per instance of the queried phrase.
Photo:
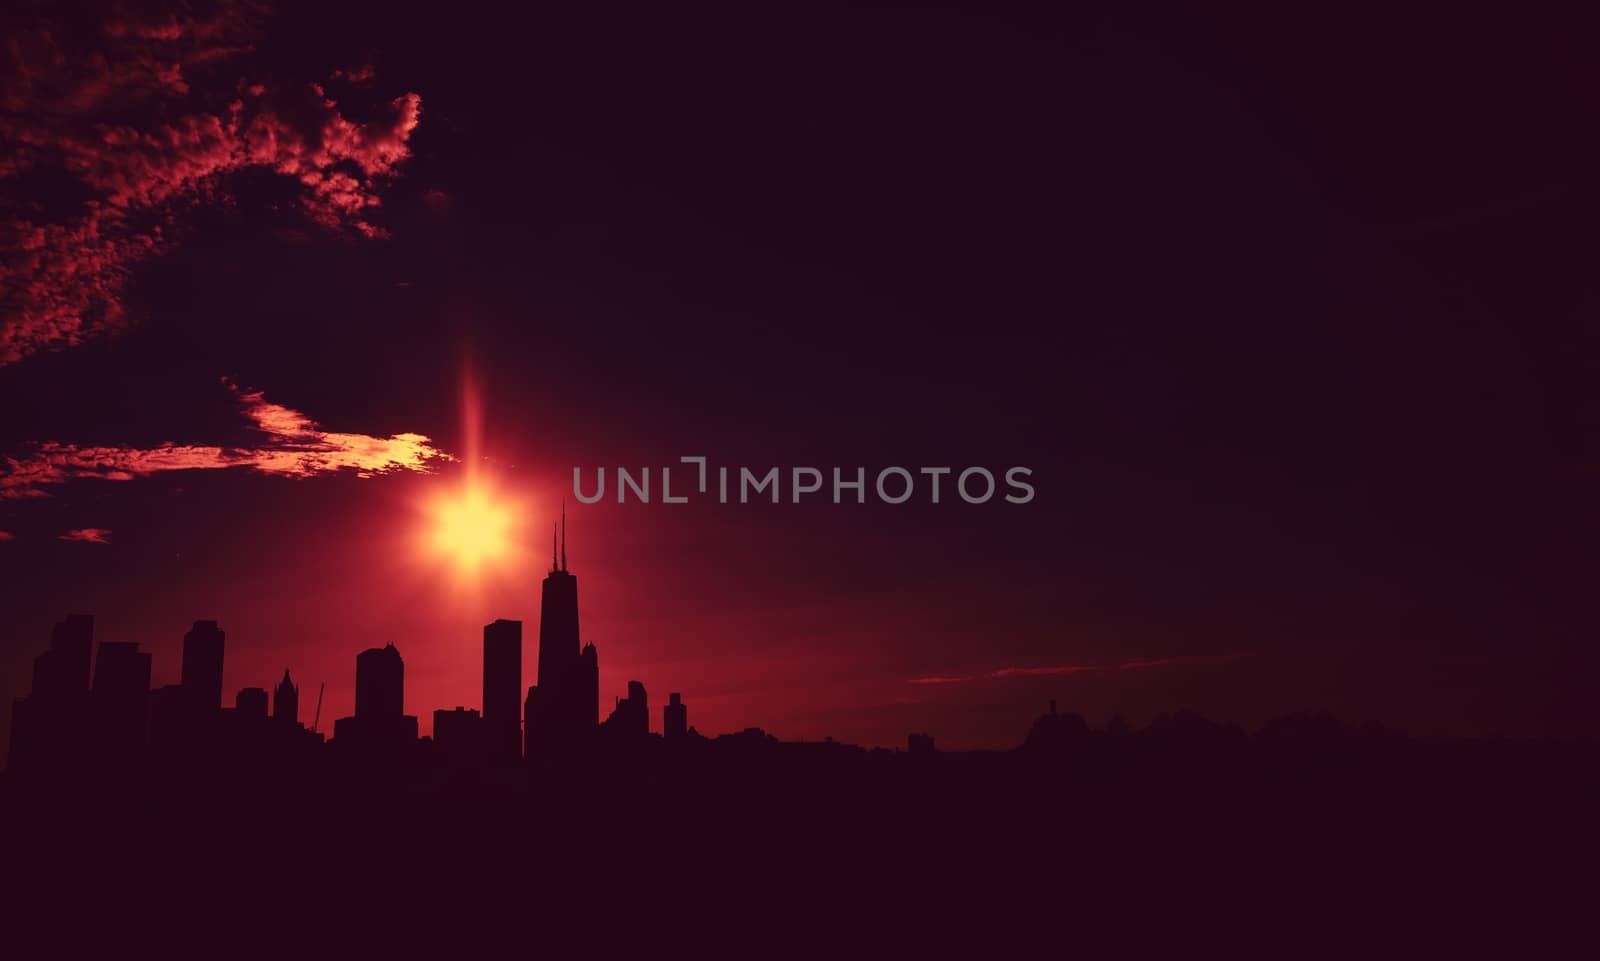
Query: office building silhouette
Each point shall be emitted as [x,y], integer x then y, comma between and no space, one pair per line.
[380,721]
[502,688]
[202,665]
[563,706]
[380,683]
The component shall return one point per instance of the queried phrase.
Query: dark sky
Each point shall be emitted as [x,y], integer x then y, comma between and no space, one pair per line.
[1292,318]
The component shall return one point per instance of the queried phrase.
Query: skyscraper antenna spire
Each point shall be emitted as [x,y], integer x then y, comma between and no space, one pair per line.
[553,565]
[563,533]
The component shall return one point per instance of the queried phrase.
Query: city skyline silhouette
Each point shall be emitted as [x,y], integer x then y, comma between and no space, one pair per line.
[92,706]
[104,771]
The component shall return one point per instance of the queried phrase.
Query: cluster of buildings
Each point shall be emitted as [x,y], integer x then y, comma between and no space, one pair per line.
[109,715]
[95,707]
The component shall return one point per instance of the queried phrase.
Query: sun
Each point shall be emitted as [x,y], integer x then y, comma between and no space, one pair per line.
[471,528]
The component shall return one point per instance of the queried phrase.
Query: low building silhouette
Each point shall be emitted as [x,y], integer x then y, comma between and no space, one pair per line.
[631,715]
[674,718]
[461,734]
[251,702]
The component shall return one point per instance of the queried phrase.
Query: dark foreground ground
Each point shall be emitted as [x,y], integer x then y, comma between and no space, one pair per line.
[1379,844]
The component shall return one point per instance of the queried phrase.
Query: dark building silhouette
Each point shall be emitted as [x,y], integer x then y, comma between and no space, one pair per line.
[171,719]
[563,706]
[502,688]
[121,671]
[631,716]
[380,683]
[202,665]
[1057,732]
[49,725]
[63,670]
[674,718]
[286,701]
[460,734]
[121,701]
[588,687]
[919,743]
[530,709]
[380,721]
[251,702]
[456,725]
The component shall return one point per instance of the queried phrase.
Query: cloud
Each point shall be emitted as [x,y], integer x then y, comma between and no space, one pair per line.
[294,446]
[145,122]
[7,536]
[357,75]
[88,535]
[1132,665]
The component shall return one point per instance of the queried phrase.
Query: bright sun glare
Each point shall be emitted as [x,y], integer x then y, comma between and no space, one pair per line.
[472,528]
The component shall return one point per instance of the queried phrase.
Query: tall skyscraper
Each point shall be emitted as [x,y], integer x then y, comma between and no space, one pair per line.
[502,688]
[564,704]
[286,701]
[202,665]
[558,618]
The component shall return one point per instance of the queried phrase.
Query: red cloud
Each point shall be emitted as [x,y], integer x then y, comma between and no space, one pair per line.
[7,536]
[119,115]
[1132,665]
[88,535]
[295,446]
